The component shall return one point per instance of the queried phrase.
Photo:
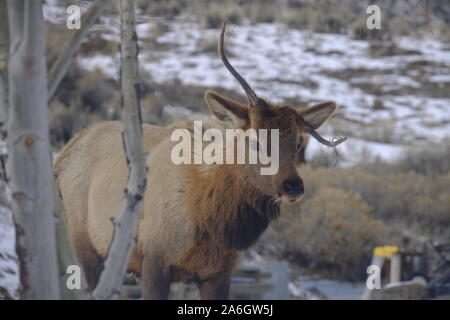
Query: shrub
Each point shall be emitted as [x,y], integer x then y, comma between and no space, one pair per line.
[218,12]
[95,91]
[334,232]
[433,160]
[347,211]
[339,230]
[66,121]
[82,98]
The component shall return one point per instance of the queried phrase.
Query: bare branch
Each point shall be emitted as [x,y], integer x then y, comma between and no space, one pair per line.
[15,22]
[123,242]
[60,66]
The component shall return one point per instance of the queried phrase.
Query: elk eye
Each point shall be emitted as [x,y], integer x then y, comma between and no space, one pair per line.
[254,144]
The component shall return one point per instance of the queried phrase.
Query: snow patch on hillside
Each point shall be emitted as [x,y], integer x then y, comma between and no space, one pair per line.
[283,63]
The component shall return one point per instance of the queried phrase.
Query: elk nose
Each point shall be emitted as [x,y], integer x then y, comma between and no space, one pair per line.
[293,187]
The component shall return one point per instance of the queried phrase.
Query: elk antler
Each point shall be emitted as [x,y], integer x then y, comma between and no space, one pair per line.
[324,141]
[251,95]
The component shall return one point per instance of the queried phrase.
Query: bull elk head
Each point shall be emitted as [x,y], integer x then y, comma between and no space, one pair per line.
[262,114]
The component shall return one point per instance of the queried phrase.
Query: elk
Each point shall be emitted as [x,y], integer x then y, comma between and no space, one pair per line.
[195,219]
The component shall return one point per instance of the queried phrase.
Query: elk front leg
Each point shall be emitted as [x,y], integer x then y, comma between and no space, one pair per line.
[155,281]
[216,289]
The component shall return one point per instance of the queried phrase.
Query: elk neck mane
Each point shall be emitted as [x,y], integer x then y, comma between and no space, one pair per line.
[226,208]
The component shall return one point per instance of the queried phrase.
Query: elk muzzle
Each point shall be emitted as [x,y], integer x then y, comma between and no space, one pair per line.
[291,189]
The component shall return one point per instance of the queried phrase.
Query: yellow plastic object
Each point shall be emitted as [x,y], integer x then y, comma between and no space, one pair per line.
[386,251]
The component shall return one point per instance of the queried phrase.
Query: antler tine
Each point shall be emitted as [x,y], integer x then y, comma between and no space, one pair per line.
[251,95]
[324,141]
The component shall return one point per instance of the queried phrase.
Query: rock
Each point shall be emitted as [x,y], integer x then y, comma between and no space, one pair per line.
[401,291]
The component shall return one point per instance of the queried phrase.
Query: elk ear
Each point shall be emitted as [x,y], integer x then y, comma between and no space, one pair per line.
[316,115]
[226,109]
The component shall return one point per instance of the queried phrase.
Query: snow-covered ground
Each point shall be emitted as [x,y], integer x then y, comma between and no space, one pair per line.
[9,272]
[283,63]
[315,289]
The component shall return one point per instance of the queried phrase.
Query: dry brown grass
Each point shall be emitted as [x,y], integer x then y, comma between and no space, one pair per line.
[348,211]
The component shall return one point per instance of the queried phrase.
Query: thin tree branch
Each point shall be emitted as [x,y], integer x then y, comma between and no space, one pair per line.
[123,242]
[60,66]
[15,22]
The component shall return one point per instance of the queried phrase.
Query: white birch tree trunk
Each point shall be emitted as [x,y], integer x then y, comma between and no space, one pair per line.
[123,242]
[29,164]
